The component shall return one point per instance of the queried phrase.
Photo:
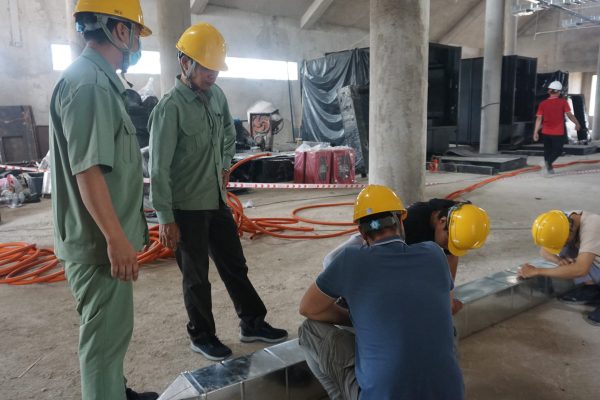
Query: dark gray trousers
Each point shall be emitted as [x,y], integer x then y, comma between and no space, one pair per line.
[214,233]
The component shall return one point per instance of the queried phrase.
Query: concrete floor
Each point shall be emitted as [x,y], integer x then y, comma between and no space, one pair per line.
[546,353]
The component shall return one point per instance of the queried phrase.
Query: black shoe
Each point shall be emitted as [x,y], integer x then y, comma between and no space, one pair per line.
[593,318]
[584,294]
[211,348]
[132,395]
[264,333]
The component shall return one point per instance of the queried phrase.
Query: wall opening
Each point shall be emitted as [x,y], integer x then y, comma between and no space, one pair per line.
[148,64]
[241,68]
[254,68]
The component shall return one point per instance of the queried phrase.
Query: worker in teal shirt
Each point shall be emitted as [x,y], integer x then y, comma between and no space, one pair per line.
[99,223]
[192,142]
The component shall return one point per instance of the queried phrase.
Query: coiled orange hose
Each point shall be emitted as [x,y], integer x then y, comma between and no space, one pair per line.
[24,264]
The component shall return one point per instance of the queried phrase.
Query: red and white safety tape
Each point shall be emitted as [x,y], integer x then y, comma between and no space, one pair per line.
[17,168]
[250,185]
[260,185]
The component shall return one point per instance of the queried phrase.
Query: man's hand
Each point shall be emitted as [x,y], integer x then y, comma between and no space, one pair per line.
[536,137]
[577,126]
[527,271]
[226,173]
[169,235]
[123,260]
[457,305]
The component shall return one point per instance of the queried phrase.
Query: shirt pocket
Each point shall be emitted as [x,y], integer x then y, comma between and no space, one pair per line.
[129,144]
[195,133]
[217,116]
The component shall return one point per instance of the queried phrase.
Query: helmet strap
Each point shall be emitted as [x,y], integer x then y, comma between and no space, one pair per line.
[188,74]
[101,23]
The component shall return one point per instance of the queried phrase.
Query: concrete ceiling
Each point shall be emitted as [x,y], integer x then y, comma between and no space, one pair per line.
[445,15]
[351,13]
[292,9]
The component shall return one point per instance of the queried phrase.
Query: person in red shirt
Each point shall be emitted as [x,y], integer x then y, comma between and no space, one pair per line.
[550,117]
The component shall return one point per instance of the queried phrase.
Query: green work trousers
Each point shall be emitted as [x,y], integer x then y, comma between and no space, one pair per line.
[105,305]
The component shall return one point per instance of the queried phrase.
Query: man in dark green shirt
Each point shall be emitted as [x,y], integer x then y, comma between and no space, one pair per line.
[99,223]
[192,142]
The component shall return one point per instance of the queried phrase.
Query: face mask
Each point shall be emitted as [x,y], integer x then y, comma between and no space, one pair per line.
[134,57]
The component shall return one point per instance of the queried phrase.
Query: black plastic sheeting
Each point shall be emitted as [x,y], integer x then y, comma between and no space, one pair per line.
[354,107]
[139,112]
[321,79]
[544,79]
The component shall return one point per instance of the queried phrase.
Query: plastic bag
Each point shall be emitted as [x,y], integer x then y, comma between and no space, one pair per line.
[148,89]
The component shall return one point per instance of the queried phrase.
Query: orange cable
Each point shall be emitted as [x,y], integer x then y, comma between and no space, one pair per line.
[24,264]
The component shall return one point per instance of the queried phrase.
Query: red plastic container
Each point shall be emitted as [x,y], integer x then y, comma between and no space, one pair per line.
[318,166]
[343,165]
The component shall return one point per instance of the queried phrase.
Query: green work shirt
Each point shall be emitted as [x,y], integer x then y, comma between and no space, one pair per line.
[192,139]
[89,127]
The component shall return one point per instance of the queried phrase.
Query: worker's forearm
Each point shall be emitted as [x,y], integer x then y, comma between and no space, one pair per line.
[572,118]
[569,271]
[96,198]
[538,124]
[332,314]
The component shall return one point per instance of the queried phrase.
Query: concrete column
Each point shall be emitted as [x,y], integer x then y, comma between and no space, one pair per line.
[75,38]
[398,95]
[510,29]
[596,122]
[174,17]
[492,76]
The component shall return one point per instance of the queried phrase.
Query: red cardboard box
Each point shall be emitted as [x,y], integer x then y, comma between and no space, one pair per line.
[343,165]
[318,166]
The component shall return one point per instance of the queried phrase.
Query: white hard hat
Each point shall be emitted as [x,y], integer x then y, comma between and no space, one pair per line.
[556,85]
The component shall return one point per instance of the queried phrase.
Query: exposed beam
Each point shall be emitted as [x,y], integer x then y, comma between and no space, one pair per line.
[314,12]
[198,6]
[526,22]
[473,14]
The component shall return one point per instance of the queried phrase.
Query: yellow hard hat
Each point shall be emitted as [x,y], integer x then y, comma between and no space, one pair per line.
[468,228]
[204,44]
[375,199]
[130,10]
[550,230]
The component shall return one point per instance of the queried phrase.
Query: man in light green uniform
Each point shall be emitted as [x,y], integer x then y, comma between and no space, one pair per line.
[99,223]
[192,141]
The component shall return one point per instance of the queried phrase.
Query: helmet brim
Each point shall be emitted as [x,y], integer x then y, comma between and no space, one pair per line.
[455,251]
[145,31]
[552,251]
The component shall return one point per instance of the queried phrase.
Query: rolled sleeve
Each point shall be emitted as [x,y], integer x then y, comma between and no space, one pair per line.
[89,130]
[163,129]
